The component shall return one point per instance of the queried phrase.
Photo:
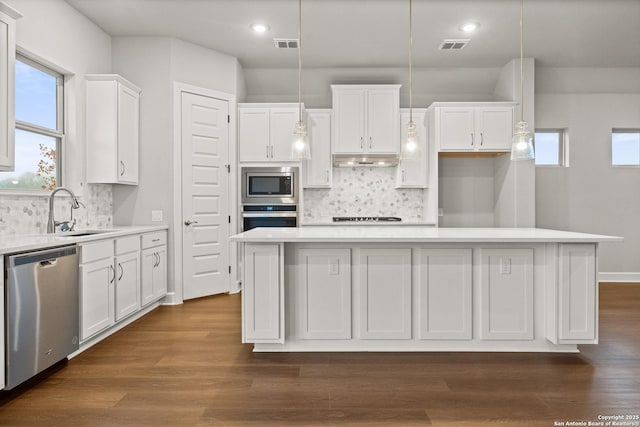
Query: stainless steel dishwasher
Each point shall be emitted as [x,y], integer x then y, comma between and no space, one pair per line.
[42,311]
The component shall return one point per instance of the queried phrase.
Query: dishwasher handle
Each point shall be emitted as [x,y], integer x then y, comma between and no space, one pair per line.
[45,258]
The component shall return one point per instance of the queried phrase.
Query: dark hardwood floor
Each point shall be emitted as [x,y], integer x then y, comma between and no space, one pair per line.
[184,366]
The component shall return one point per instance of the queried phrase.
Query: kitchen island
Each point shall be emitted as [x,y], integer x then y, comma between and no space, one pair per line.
[419,289]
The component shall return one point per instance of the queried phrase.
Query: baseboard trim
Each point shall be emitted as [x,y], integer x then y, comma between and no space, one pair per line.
[621,277]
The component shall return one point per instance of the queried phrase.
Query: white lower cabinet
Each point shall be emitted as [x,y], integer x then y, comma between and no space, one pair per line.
[445,294]
[128,283]
[385,293]
[506,294]
[154,267]
[577,293]
[117,279]
[324,293]
[97,302]
[263,294]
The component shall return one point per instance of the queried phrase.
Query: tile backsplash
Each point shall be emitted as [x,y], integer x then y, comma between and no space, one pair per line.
[29,214]
[363,192]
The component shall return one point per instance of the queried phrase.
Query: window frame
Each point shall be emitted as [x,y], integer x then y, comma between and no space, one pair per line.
[563,149]
[58,134]
[622,130]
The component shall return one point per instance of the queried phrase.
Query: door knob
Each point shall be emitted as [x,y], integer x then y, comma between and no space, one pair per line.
[189,222]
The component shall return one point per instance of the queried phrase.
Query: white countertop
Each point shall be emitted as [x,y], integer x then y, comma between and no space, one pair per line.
[367,224]
[28,242]
[415,234]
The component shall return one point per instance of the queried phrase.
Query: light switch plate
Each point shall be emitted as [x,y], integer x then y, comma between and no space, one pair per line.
[505,265]
[334,267]
[156,215]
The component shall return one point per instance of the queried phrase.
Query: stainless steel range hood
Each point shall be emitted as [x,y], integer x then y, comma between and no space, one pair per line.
[368,160]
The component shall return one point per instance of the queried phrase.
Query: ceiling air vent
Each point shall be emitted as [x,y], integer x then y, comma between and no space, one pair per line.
[453,44]
[286,43]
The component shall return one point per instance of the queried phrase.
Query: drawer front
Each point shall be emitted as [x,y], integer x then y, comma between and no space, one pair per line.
[125,245]
[95,251]
[150,240]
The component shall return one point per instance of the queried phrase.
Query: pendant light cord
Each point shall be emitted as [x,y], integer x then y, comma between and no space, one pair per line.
[300,60]
[410,61]
[521,66]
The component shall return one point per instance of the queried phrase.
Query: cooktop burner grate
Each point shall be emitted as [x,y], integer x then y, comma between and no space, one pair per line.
[366,219]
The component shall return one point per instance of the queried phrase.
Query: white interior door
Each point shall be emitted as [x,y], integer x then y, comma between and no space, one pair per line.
[205,195]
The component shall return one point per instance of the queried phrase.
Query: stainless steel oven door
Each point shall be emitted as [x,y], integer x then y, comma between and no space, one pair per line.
[272,219]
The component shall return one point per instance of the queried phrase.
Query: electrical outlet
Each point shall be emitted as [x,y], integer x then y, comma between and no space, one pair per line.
[156,216]
[334,267]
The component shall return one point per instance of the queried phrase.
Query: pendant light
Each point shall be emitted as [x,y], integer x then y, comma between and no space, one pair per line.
[522,143]
[410,146]
[300,148]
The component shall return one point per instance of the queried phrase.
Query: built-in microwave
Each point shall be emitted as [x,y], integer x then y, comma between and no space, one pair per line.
[269,186]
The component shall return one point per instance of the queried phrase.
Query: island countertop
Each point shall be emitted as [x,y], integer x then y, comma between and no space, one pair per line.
[401,234]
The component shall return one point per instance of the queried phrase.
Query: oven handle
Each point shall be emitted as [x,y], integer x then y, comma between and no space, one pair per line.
[263,214]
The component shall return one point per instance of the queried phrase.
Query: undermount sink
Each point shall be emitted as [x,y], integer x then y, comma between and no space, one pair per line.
[81,233]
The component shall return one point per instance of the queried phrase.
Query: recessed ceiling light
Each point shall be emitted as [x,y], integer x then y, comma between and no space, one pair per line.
[259,28]
[469,27]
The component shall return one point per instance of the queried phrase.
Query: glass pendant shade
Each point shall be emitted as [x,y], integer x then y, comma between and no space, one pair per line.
[411,144]
[300,149]
[522,145]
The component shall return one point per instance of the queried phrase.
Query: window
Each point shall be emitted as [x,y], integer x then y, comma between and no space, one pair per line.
[39,128]
[625,147]
[550,146]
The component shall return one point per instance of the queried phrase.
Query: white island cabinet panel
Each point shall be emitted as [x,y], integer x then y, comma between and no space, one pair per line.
[577,296]
[324,293]
[385,293]
[506,294]
[445,289]
[263,294]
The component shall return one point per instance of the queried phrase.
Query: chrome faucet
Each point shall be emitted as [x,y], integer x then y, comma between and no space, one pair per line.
[52,223]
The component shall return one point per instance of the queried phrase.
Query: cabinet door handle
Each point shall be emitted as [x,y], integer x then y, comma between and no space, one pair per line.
[481,138]
[121,271]
[370,142]
[157,259]
[189,222]
[361,142]
[113,272]
[403,175]
[471,139]
[267,151]
[122,171]
[327,176]
[272,151]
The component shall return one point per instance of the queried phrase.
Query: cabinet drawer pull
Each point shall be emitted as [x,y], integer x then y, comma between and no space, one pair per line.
[155,240]
[471,139]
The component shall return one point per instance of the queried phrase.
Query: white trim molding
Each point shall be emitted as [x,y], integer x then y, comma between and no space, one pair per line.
[621,277]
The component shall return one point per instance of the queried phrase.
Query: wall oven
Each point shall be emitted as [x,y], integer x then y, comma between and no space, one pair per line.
[269,197]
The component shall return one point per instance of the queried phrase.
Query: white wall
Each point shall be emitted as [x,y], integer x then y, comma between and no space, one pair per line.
[591,195]
[429,85]
[56,34]
[154,64]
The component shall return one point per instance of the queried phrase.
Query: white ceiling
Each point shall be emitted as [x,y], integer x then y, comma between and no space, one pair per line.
[374,33]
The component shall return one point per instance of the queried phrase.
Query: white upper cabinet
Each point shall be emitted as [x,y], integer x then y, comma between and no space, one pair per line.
[7,85]
[473,127]
[265,131]
[413,173]
[113,113]
[317,172]
[366,119]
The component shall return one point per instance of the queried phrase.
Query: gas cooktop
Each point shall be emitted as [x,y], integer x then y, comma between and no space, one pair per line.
[366,219]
